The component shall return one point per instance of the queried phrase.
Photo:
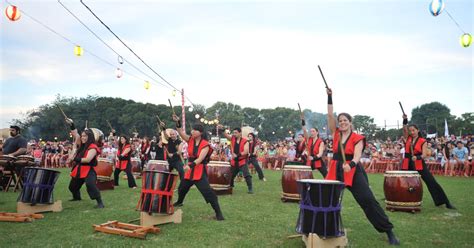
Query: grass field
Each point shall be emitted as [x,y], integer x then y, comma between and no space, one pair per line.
[258,220]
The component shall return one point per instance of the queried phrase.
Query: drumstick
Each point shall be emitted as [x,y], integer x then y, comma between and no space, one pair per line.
[171,106]
[294,236]
[403,111]
[109,124]
[323,77]
[299,107]
[86,124]
[65,117]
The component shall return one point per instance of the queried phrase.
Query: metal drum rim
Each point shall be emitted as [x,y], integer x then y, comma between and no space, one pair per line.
[296,167]
[40,168]
[321,181]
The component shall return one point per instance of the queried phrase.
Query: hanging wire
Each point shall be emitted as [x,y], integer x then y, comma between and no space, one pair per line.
[131,50]
[73,43]
[455,22]
[107,45]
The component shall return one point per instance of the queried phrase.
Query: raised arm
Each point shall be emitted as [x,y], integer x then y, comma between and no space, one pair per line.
[331,119]
[405,127]
[303,126]
[226,135]
[180,129]
[74,132]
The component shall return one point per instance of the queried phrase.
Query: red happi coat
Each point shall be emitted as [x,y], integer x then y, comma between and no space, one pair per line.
[242,158]
[196,172]
[418,150]
[122,164]
[351,142]
[314,152]
[82,170]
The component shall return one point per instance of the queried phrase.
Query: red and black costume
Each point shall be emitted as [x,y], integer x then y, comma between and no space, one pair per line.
[240,162]
[175,161]
[197,175]
[415,148]
[317,163]
[253,159]
[356,182]
[84,173]
[124,163]
[300,148]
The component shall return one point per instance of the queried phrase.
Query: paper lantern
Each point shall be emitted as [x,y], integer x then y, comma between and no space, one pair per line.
[173,93]
[202,119]
[147,85]
[78,51]
[466,40]
[120,59]
[197,116]
[210,122]
[13,13]
[191,109]
[118,73]
[436,7]
[205,122]
[217,121]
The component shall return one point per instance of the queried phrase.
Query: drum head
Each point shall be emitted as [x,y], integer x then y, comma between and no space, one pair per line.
[296,167]
[401,172]
[319,181]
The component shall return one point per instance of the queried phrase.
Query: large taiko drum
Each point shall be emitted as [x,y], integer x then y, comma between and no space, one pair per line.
[6,161]
[220,176]
[403,191]
[38,185]
[136,164]
[158,165]
[320,208]
[104,167]
[289,177]
[157,192]
[25,161]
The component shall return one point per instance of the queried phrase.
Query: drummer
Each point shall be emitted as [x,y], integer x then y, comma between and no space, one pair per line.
[16,144]
[195,170]
[315,149]
[415,152]
[352,173]
[173,151]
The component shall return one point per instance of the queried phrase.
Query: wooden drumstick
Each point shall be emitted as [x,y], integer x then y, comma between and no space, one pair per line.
[86,124]
[109,124]
[171,106]
[299,107]
[323,77]
[62,112]
[403,111]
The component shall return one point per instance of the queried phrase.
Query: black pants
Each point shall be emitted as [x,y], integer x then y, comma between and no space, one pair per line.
[437,193]
[130,178]
[76,183]
[177,165]
[323,169]
[203,187]
[245,170]
[366,200]
[253,161]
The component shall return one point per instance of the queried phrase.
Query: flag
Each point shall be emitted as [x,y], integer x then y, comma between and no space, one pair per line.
[446,132]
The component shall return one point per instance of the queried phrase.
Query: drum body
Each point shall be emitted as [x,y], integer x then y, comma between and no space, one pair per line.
[158,165]
[403,191]
[25,161]
[136,164]
[6,161]
[38,185]
[104,167]
[289,177]
[320,208]
[157,192]
[220,176]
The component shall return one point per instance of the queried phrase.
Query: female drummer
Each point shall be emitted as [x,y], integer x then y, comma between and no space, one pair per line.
[124,162]
[315,149]
[199,152]
[350,171]
[415,152]
[85,160]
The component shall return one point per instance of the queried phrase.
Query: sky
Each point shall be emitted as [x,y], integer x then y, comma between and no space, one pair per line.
[260,54]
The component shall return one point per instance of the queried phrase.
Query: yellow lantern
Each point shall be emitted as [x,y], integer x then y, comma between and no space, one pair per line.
[216,121]
[205,122]
[78,51]
[12,13]
[147,85]
[173,93]
[466,40]
[202,119]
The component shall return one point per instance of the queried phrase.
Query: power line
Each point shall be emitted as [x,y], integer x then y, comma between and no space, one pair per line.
[103,42]
[72,42]
[136,55]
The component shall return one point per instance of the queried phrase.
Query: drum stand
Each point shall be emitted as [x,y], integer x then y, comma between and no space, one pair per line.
[220,189]
[129,230]
[16,217]
[22,207]
[313,241]
[287,197]
[158,219]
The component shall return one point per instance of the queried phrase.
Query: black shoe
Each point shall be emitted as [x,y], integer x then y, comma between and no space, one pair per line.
[178,204]
[392,239]
[219,216]
[75,199]
[449,206]
[100,204]
[250,191]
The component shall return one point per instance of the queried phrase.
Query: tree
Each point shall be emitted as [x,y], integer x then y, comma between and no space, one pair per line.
[430,117]
[364,124]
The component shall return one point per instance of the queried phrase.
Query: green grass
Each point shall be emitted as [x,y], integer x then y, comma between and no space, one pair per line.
[258,220]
